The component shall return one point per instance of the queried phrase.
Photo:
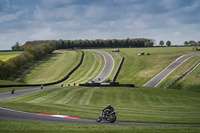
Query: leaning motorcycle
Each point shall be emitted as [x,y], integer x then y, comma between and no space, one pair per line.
[109,117]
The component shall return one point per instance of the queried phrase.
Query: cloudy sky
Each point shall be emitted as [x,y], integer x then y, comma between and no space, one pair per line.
[26,20]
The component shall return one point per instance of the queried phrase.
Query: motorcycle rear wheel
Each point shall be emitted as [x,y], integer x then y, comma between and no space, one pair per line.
[112,118]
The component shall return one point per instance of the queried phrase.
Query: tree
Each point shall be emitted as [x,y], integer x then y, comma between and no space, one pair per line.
[186,43]
[168,43]
[192,43]
[148,44]
[161,43]
[198,43]
[17,47]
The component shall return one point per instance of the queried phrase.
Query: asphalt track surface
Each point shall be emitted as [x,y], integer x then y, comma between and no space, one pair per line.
[5,96]
[18,115]
[108,67]
[163,74]
[23,116]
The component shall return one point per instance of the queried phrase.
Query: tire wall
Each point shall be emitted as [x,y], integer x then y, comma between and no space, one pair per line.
[118,70]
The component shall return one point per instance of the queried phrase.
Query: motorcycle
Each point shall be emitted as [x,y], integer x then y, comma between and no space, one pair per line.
[109,117]
[13,91]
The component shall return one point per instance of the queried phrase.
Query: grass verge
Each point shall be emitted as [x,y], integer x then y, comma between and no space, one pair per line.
[10,126]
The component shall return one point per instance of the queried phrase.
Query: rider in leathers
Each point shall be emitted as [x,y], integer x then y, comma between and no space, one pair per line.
[108,109]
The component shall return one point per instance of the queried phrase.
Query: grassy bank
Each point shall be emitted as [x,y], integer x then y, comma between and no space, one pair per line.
[53,69]
[133,104]
[140,69]
[9,126]
[190,81]
[91,67]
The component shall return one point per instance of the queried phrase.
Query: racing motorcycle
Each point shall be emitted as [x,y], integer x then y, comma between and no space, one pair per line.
[109,117]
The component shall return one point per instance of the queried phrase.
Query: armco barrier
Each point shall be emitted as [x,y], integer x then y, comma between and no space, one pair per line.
[119,68]
[182,75]
[52,83]
[106,85]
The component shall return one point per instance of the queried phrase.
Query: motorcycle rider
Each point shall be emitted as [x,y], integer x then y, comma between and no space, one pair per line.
[108,109]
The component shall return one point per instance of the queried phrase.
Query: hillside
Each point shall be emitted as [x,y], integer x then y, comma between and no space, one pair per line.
[53,69]
[139,104]
[140,69]
[132,104]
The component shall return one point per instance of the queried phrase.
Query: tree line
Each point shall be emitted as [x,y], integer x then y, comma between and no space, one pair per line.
[186,43]
[97,43]
[168,43]
[192,43]
[31,53]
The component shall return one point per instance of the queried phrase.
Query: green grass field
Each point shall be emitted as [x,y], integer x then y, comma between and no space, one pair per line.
[140,69]
[133,104]
[4,56]
[91,67]
[180,104]
[190,81]
[60,65]
[10,126]
[53,69]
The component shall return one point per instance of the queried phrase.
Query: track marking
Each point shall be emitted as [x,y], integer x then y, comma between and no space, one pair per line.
[59,116]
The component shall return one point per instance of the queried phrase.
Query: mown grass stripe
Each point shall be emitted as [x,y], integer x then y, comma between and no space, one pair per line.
[85,99]
[99,66]
[83,69]
[53,69]
[77,97]
[69,96]
[91,70]
[91,67]
[46,97]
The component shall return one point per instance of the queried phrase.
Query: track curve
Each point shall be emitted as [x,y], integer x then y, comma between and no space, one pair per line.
[23,116]
[164,73]
[108,67]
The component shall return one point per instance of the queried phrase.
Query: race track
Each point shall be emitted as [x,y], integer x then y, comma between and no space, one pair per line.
[161,76]
[108,67]
[23,116]
[17,115]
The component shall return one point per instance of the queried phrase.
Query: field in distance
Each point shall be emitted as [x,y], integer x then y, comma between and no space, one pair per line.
[4,56]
